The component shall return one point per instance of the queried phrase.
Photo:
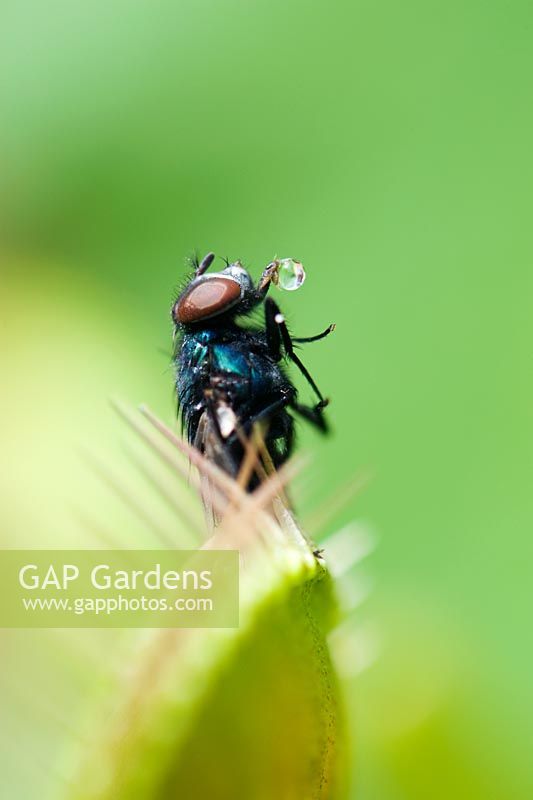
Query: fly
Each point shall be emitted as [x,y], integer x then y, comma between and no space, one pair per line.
[229,375]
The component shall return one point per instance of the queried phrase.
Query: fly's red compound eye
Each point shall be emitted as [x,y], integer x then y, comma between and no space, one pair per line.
[206,298]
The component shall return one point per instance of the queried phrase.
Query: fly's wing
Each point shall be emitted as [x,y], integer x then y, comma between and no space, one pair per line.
[209,442]
[247,460]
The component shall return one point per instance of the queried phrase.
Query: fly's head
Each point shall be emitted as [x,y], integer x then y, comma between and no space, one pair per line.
[215,295]
[230,292]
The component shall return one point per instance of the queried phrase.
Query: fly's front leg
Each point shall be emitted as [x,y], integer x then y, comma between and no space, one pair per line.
[277,333]
[272,329]
[269,276]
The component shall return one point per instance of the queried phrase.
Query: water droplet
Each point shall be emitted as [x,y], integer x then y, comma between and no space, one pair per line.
[290,274]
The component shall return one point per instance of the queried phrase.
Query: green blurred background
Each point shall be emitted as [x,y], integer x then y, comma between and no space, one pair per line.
[386,145]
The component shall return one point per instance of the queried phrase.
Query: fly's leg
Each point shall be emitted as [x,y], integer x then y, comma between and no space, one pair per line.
[270,275]
[312,414]
[264,414]
[265,280]
[272,329]
[305,339]
[266,448]
[277,334]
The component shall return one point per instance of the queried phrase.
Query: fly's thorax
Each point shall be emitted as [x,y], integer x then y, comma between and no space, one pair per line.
[211,357]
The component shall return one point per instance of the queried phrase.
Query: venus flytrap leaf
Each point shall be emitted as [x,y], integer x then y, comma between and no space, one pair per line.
[252,712]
